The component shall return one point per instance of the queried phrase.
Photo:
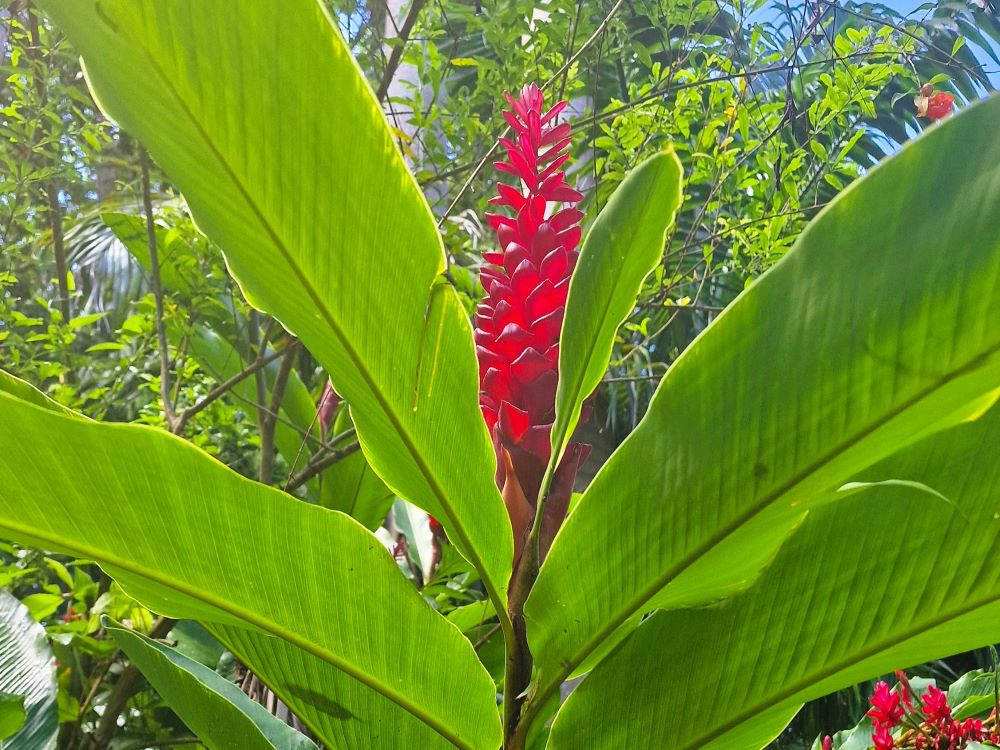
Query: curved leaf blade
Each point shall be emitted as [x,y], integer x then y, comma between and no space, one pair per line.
[27,672]
[870,333]
[292,586]
[621,249]
[886,579]
[215,709]
[287,161]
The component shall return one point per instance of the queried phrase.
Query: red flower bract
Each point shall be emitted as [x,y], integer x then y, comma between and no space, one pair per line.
[882,738]
[885,710]
[935,706]
[518,322]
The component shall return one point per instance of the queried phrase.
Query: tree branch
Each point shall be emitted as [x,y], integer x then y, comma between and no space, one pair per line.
[53,209]
[224,387]
[319,463]
[397,51]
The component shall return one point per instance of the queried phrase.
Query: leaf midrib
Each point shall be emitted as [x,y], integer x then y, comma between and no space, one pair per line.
[457,528]
[86,551]
[634,605]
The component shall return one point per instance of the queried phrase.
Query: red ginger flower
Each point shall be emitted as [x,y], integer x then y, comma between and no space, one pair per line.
[518,322]
[935,706]
[882,738]
[885,711]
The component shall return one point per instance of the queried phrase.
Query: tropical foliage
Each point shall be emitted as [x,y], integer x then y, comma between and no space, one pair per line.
[245,482]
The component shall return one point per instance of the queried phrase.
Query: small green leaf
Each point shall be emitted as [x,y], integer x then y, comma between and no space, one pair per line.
[82,321]
[464,62]
[12,715]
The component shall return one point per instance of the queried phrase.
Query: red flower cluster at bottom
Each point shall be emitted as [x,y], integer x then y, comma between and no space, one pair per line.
[930,728]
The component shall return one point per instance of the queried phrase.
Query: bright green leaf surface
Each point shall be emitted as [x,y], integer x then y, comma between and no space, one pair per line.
[878,327]
[27,671]
[287,161]
[215,709]
[291,588]
[889,578]
[623,246]
[12,715]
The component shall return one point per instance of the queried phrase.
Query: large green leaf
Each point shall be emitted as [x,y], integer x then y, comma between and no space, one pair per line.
[291,588]
[892,577]
[218,712]
[261,117]
[623,246]
[27,671]
[879,326]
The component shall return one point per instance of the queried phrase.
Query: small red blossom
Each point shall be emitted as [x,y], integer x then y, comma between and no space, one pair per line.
[971,729]
[882,738]
[885,711]
[328,404]
[935,706]
[827,743]
[933,105]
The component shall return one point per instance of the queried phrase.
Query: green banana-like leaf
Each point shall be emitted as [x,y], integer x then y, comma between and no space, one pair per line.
[291,588]
[624,245]
[886,579]
[878,327]
[28,673]
[260,116]
[215,709]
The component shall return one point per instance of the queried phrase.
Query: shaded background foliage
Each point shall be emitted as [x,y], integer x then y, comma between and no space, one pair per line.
[774,108]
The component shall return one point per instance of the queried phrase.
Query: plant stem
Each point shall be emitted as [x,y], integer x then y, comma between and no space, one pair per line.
[269,419]
[154,263]
[517,665]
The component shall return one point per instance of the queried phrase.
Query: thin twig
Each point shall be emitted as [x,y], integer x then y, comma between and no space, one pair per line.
[482,162]
[225,387]
[317,466]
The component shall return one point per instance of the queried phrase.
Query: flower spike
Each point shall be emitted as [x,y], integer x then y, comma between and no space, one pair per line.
[519,321]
